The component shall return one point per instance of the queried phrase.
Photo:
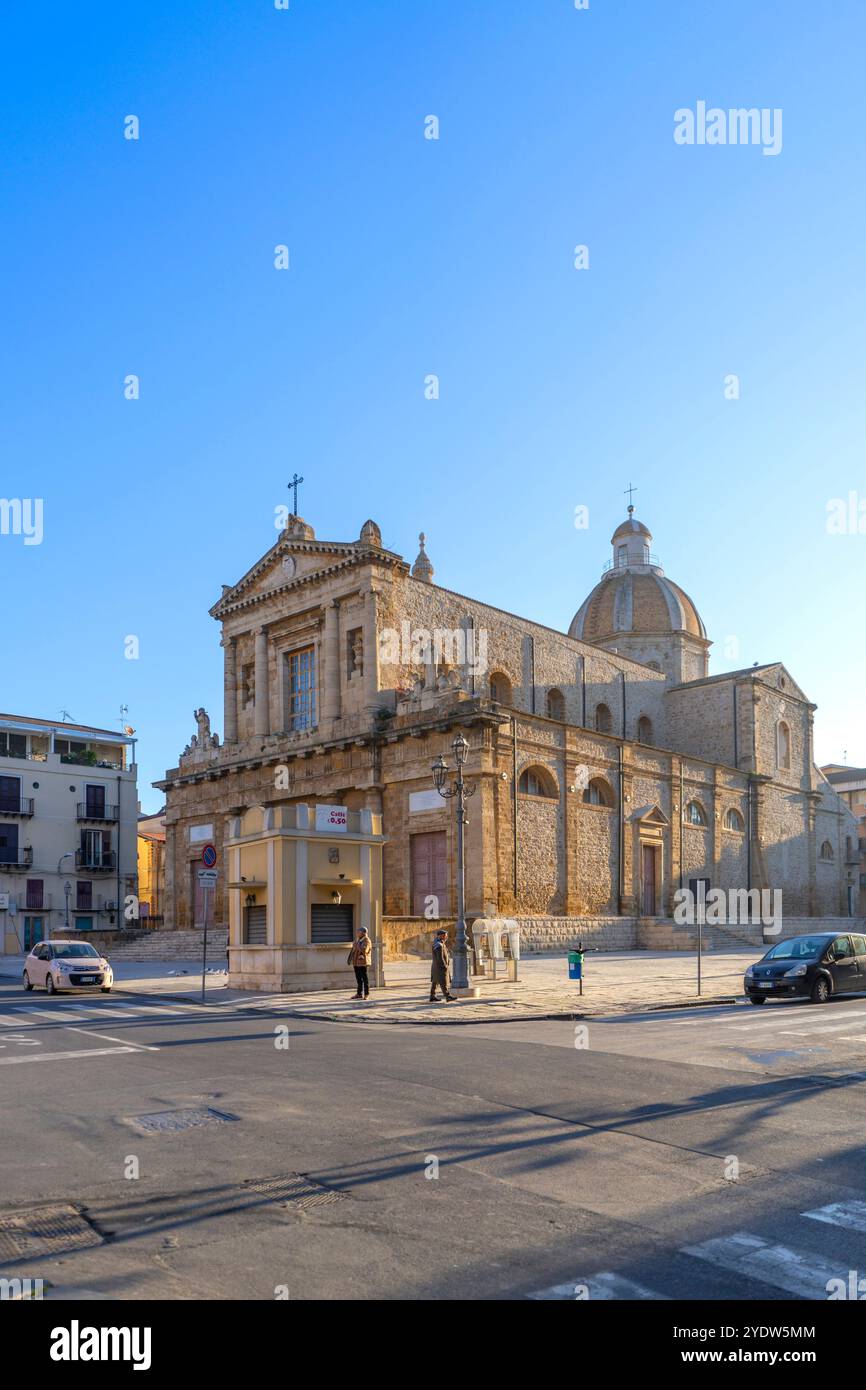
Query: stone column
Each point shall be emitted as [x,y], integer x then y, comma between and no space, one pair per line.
[263,719]
[230,690]
[330,676]
[371,650]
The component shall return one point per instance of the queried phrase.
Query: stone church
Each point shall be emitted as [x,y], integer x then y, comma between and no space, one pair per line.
[610,767]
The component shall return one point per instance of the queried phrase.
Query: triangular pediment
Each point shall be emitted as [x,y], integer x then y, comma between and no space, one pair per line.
[294,560]
[651,815]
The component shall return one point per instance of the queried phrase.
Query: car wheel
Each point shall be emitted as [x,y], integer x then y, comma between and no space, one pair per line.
[820,990]
[28,983]
[49,983]
[757,999]
[106,989]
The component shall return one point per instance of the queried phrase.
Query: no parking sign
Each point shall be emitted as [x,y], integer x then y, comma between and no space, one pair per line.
[209,856]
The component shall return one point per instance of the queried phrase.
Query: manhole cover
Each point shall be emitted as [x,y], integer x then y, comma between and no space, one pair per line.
[295,1188]
[171,1121]
[44,1231]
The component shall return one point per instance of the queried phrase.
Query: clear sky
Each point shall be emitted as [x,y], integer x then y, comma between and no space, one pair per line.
[409,257]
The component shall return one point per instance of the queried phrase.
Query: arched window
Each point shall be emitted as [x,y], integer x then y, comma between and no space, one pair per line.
[622,555]
[695,813]
[783,744]
[537,781]
[555,704]
[827,852]
[603,721]
[599,793]
[500,688]
[734,821]
[644,729]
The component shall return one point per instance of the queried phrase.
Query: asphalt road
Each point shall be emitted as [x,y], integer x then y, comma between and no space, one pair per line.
[707,1153]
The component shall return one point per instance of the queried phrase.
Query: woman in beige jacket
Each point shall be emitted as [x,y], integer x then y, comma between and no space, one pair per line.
[360,956]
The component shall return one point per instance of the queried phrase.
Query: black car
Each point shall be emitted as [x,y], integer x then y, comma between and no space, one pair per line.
[811,967]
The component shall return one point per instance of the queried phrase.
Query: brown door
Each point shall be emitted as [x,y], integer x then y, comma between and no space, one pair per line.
[429,874]
[648,857]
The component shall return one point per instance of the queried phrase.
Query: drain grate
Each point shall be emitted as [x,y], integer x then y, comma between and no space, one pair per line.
[295,1189]
[173,1121]
[44,1231]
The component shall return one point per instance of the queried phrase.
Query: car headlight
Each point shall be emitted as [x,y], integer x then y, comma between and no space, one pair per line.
[796,970]
[63,965]
[750,973]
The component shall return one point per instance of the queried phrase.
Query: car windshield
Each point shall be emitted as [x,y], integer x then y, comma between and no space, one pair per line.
[798,948]
[76,949]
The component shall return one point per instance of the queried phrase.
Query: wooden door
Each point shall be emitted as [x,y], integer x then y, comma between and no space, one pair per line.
[648,856]
[429,855]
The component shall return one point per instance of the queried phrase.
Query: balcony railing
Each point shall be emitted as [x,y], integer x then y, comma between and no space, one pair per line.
[630,563]
[96,863]
[15,860]
[102,813]
[16,805]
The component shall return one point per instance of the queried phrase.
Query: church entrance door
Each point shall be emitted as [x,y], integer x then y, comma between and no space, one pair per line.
[648,880]
[429,873]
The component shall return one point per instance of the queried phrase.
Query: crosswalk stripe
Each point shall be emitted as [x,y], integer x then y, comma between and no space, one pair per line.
[600,1287]
[815,1024]
[100,1011]
[803,1274]
[9,1022]
[55,1015]
[62,1056]
[850,1214]
[822,1028]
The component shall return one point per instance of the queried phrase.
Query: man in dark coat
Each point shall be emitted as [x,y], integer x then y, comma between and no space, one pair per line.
[440,970]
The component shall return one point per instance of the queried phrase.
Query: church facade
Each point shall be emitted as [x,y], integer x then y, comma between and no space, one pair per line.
[611,768]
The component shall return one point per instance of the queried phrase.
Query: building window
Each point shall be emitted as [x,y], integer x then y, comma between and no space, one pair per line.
[622,555]
[783,745]
[500,689]
[555,705]
[827,852]
[200,834]
[599,793]
[84,896]
[603,720]
[12,745]
[644,729]
[35,900]
[695,813]
[10,795]
[734,821]
[302,689]
[537,781]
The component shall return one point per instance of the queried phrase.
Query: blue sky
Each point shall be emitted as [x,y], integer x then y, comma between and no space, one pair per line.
[558,387]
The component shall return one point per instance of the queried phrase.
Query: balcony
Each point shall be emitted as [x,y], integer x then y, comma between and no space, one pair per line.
[93,863]
[84,811]
[16,806]
[17,861]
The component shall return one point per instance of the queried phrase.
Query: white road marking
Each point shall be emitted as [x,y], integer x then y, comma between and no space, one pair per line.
[9,1022]
[822,1028]
[63,1056]
[599,1287]
[802,1273]
[850,1214]
[54,1014]
[127,1046]
[815,1024]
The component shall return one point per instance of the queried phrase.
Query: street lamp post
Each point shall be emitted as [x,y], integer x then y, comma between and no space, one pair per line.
[460,790]
[67,889]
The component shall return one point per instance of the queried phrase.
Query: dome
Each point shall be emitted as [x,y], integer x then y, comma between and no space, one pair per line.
[370,534]
[634,597]
[647,604]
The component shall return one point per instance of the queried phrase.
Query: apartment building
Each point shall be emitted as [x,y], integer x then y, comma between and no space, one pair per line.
[68,820]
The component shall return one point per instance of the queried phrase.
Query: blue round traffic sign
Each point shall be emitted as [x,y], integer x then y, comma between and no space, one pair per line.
[208,856]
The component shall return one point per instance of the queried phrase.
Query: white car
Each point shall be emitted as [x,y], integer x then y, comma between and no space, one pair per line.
[72,965]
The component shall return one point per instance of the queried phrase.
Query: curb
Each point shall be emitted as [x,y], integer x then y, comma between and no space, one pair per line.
[561,1015]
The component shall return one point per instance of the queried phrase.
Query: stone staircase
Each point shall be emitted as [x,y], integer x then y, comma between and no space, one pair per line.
[174,945]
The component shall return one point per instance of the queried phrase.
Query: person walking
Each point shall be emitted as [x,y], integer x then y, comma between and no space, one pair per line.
[440,970]
[360,956]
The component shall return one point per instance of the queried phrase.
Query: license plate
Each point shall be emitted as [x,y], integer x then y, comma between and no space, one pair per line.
[88,980]
[765,984]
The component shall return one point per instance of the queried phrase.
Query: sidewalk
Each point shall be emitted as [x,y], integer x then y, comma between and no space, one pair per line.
[620,982]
